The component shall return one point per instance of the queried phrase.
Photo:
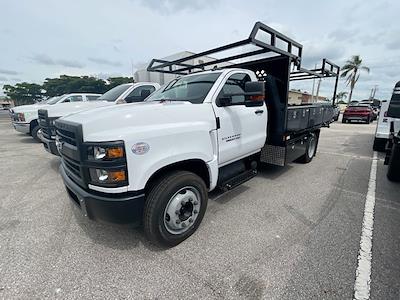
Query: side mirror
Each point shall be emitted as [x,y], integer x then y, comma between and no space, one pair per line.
[225,100]
[254,88]
[144,94]
[255,93]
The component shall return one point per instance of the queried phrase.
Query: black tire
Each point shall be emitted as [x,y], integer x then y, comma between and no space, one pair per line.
[379,145]
[156,203]
[393,173]
[312,141]
[34,133]
[344,120]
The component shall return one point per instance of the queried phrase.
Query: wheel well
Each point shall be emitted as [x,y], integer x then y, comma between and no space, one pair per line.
[32,125]
[196,166]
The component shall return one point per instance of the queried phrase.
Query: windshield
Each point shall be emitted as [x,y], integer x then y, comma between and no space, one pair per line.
[53,100]
[114,93]
[193,88]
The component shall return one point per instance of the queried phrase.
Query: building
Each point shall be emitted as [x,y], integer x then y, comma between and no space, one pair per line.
[143,75]
[6,102]
[297,97]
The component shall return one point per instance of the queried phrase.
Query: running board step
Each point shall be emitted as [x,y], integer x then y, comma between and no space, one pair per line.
[237,180]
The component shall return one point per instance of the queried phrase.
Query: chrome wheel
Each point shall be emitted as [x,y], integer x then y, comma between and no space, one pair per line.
[182,210]
[312,144]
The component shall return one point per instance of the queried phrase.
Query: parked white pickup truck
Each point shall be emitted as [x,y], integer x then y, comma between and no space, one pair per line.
[382,131]
[124,93]
[392,158]
[25,117]
[154,162]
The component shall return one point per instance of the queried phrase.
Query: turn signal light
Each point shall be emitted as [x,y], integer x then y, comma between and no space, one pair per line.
[117,152]
[117,176]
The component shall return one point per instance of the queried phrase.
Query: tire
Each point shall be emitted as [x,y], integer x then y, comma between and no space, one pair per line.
[379,145]
[393,172]
[311,149]
[164,199]
[344,120]
[34,133]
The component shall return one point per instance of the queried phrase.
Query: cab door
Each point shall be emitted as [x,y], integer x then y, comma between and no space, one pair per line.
[242,129]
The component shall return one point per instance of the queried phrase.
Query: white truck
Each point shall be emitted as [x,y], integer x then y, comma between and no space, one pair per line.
[392,158]
[124,93]
[155,162]
[25,117]
[382,131]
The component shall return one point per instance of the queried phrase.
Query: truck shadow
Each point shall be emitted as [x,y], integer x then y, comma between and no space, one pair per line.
[271,171]
[114,236]
[27,139]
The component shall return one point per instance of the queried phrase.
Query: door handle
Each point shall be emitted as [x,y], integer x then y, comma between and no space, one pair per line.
[260,111]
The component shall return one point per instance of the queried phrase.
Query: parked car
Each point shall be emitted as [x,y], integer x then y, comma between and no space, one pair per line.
[359,112]
[124,93]
[25,117]
[382,128]
[336,113]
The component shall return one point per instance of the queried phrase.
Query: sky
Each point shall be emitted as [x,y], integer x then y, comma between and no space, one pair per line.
[46,38]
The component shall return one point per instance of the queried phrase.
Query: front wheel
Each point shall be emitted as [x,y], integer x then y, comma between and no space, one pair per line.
[174,208]
[34,133]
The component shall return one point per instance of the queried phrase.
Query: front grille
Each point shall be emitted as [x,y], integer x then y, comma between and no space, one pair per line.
[67,134]
[46,124]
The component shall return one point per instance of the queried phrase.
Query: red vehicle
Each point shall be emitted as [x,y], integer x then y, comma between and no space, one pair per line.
[358,113]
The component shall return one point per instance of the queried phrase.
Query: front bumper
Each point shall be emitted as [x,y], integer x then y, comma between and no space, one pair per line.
[112,208]
[50,145]
[22,127]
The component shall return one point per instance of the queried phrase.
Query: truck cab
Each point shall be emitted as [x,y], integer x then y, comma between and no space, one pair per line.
[154,162]
[25,117]
[124,93]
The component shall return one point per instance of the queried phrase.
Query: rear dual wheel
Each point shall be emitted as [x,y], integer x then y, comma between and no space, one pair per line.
[174,208]
[311,148]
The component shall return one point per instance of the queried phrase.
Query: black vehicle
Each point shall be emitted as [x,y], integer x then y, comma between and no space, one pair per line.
[392,158]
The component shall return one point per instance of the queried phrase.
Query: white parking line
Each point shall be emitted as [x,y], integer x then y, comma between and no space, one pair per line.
[362,284]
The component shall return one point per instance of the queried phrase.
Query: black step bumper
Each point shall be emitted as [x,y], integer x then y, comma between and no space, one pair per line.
[50,146]
[112,208]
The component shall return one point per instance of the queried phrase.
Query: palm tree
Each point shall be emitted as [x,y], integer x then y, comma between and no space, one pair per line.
[340,96]
[351,70]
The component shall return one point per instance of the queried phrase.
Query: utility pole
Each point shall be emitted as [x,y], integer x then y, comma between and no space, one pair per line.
[375,89]
[313,87]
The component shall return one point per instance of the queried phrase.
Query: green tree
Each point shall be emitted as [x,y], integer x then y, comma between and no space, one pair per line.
[114,81]
[24,92]
[73,84]
[351,70]
[340,96]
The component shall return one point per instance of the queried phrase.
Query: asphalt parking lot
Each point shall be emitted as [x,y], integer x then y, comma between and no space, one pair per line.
[289,233]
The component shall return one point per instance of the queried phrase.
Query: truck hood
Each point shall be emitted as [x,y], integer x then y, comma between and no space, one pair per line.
[142,120]
[64,109]
[29,108]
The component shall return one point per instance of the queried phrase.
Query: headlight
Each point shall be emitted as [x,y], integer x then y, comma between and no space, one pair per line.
[21,117]
[106,152]
[107,176]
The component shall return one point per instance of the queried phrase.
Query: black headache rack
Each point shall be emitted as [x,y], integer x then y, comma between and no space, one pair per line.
[276,60]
